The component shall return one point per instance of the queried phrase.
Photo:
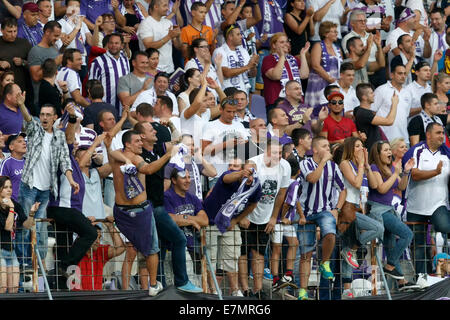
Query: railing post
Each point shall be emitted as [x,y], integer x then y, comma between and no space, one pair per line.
[373,262]
[33,257]
[204,267]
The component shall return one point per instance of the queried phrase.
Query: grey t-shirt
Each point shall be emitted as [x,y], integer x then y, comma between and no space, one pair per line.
[36,57]
[130,83]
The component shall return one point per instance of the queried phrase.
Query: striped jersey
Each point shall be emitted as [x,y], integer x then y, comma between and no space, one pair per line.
[108,70]
[213,16]
[71,77]
[318,197]
[292,196]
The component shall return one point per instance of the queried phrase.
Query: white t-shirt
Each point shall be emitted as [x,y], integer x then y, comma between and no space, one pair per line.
[334,15]
[41,172]
[217,132]
[351,101]
[231,60]
[194,125]
[150,96]
[149,27]
[414,92]
[71,77]
[382,107]
[272,180]
[425,196]
[67,27]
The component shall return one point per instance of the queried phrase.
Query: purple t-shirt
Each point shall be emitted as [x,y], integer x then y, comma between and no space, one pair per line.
[189,205]
[386,198]
[91,9]
[222,192]
[66,198]
[168,171]
[10,121]
[285,139]
[13,168]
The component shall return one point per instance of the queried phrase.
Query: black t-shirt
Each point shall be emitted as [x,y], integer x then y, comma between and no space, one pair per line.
[51,95]
[415,126]
[5,236]
[154,183]
[162,133]
[363,121]
[18,48]
[92,111]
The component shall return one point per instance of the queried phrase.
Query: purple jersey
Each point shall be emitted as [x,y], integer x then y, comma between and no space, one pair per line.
[317,197]
[10,121]
[13,168]
[189,205]
[292,196]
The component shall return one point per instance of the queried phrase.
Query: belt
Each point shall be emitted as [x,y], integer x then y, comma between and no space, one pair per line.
[141,205]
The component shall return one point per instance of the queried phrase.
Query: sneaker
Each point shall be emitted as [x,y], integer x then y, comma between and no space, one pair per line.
[237,293]
[190,288]
[267,274]
[408,286]
[261,295]
[350,257]
[325,270]
[248,293]
[153,291]
[282,282]
[251,275]
[394,274]
[347,294]
[302,294]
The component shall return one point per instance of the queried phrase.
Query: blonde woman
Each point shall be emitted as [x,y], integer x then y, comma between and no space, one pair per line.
[440,86]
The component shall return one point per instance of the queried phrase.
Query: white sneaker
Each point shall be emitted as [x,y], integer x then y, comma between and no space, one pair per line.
[347,294]
[237,293]
[154,291]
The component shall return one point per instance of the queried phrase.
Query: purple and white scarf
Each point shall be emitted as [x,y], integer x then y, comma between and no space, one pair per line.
[238,64]
[199,65]
[235,204]
[285,75]
[34,35]
[364,190]
[131,183]
[79,42]
[136,9]
[326,57]
[268,19]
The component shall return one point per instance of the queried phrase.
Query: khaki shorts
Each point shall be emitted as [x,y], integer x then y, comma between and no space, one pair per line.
[224,249]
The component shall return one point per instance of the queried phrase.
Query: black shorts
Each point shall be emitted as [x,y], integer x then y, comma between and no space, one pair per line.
[254,238]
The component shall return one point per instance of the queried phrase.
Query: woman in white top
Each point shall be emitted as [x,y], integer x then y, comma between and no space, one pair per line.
[353,224]
[191,80]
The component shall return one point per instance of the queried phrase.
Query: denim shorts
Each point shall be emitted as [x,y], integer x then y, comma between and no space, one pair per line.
[306,234]
[8,258]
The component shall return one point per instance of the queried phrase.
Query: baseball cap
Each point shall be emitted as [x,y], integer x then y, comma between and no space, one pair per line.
[335,94]
[13,137]
[30,6]
[421,64]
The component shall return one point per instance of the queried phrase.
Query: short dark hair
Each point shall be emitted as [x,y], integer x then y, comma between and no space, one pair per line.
[346,66]
[162,74]
[239,92]
[51,25]
[431,125]
[97,91]
[316,139]
[166,101]
[197,5]
[299,133]
[271,114]
[229,92]
[361,90]
[49,105]
[101,113]
[401,38]
[92,82]
[49,68]
[329,88]
[426,98]
[68,55]
[145,109]
[395,65]
[126,138]
[152,4]
[40,1]
[139,127]
[138,53]
[351,42]
[8,89]
[9,22]
[195,44]
[295,167]
[107,38]
[273,141]
[151,51]
[438,10]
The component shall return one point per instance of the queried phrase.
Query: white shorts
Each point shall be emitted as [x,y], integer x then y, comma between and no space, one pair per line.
[280,230]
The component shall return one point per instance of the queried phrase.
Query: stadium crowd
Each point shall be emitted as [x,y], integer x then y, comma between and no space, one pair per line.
[260,121]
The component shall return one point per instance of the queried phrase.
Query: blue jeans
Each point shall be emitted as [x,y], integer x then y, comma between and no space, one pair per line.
[393,227]
[27,197]
[440,220]
[306,234]
[372,230]
[168,231]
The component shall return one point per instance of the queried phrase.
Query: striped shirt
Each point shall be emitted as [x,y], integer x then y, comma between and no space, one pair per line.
[213,16]
[108,70]
[292,196]
[318,197]
[71,77]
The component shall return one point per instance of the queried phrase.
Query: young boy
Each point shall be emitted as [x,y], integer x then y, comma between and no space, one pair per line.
[302,143]
[196,29]
[285,227]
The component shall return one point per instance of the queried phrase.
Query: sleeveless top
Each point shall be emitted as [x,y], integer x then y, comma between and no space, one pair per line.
[297,41]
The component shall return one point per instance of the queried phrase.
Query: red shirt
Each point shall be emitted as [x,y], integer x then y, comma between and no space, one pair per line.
[92,268]
[273,88]
[338,130]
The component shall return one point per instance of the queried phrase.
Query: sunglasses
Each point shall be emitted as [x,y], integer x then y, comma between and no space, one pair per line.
[334,102]
[229,101]
[203,47]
